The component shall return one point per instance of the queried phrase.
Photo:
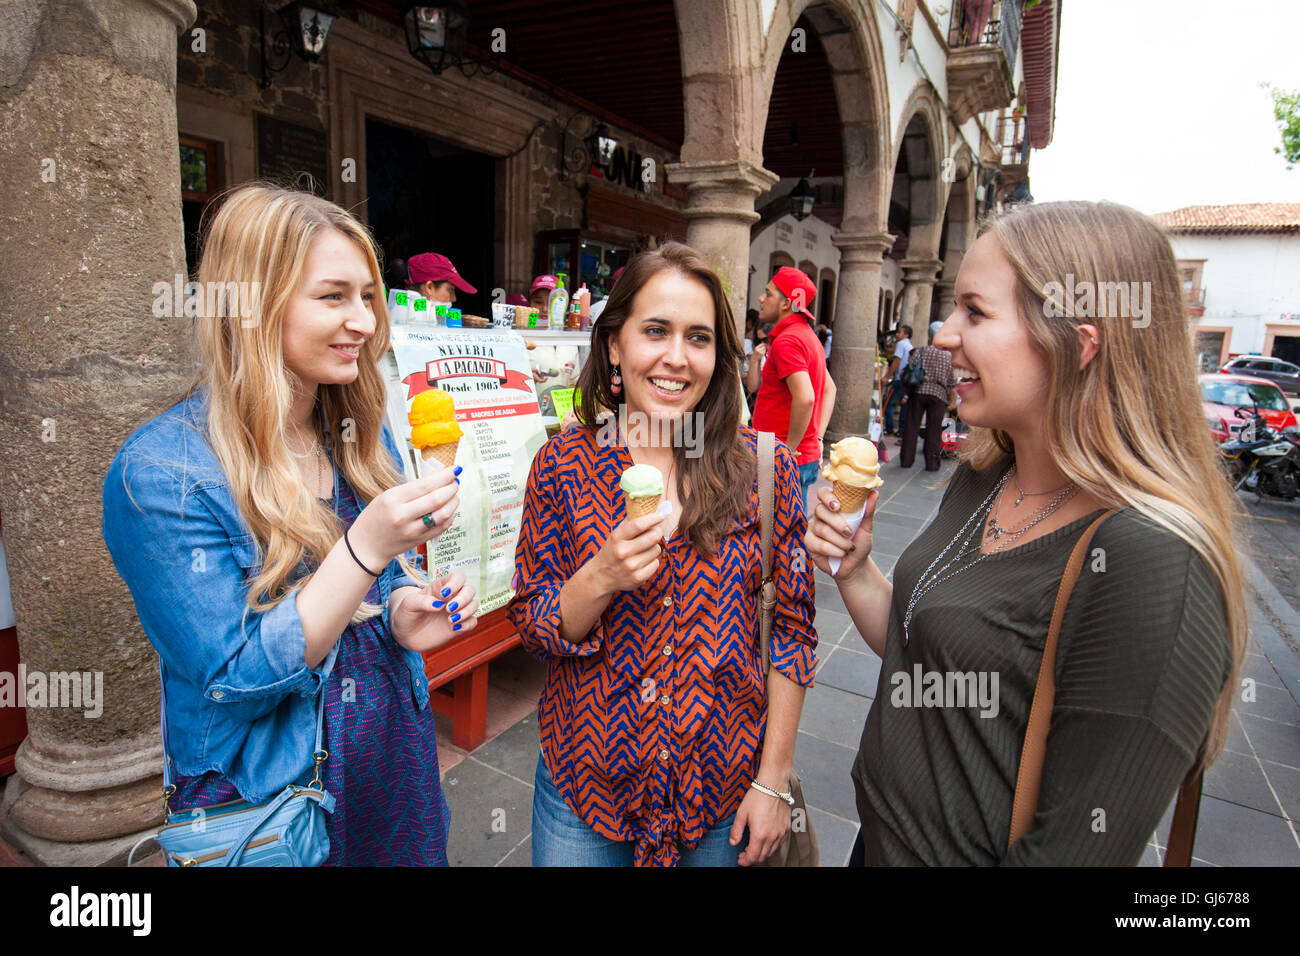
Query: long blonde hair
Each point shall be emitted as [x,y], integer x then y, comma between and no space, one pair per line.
[260,237]
[1128,428]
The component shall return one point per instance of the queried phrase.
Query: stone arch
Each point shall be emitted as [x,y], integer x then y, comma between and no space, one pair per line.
[858,73]
[809,268]
[923,113]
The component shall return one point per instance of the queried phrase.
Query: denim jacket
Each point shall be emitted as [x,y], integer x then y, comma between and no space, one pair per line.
[240,697]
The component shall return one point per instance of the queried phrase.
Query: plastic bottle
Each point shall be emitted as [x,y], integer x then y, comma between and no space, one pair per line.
[420,310]
[584,312]
[556,307]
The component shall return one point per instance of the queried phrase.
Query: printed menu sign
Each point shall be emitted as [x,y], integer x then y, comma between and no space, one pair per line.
[489,378]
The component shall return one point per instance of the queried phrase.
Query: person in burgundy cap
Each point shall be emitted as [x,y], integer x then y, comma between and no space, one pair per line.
[541,291]
[435,278]
[795,395]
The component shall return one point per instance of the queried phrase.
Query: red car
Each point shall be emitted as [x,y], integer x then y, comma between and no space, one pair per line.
[1222,395]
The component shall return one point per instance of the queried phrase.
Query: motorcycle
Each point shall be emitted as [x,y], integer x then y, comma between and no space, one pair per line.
[1262,460]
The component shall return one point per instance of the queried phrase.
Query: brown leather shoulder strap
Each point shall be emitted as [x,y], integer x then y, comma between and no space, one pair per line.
[1034,750]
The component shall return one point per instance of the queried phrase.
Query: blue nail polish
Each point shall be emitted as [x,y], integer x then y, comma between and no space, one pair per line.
[451,606]
[446,592]
[457,470]
[458,481]
[455,627]
[436,605]
[455,618]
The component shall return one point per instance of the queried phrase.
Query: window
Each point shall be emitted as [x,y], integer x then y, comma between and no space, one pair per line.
[201,180]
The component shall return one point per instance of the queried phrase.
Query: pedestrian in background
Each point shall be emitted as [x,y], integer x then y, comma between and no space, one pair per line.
[929,399]
[1155,628]
[271,560]
[795,395]
[895,393]
[655,705]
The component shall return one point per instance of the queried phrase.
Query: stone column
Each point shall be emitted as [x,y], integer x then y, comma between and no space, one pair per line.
[719,212]
[90,220]
[853,359]
[918,290]
[945,291]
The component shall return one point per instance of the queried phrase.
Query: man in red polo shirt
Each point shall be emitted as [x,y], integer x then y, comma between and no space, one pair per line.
[795,395]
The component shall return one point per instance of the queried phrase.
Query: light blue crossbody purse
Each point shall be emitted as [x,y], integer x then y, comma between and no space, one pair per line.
[288,830]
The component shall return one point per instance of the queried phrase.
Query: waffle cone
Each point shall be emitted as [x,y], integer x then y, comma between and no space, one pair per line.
[444,454]
[852,498]
[636,507]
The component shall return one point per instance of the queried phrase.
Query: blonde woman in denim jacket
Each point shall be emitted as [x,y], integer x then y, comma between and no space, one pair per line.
[266,535]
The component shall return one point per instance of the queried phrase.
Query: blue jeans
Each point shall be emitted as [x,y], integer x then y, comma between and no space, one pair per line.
[894,395]
[807,478]
[560,838]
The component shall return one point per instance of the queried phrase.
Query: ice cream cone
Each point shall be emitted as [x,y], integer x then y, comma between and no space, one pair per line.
[444,454]
[636,507]
[852,498]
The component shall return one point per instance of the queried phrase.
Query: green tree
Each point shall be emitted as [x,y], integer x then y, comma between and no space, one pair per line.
[1286,110]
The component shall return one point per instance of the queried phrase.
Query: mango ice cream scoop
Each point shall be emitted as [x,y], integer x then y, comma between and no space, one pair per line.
[434,430]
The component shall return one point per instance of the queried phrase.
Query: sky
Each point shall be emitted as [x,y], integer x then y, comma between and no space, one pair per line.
[1158,103]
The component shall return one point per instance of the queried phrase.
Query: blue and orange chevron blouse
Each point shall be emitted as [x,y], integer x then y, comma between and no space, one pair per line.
[651,728]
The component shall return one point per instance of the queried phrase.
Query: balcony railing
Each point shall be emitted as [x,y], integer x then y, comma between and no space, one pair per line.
[988,23]
[1194,298]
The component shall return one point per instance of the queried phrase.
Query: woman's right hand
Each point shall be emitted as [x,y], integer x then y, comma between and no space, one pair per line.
[630,556]
[828,535]
[392,523]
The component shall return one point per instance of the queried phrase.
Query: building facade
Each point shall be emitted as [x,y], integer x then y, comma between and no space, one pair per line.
[1240,266]
[123,122]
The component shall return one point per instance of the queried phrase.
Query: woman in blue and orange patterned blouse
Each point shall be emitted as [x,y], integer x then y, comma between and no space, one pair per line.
[660,743]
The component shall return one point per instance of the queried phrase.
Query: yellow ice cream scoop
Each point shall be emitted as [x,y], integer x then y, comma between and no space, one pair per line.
[433,419]
[854,470]
[854,461]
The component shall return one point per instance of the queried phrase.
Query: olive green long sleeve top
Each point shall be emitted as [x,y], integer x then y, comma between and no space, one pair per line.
[1143,654]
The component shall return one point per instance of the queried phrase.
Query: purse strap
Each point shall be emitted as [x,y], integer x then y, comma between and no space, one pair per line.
[1034,750]
[318,755]
[766,481]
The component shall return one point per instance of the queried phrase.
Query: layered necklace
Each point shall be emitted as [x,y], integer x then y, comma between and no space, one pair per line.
[967,540]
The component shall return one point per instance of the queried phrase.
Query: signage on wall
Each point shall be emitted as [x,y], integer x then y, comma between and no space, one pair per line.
[627,167]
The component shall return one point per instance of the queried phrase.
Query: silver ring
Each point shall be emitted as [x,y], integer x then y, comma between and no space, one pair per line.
[428,520]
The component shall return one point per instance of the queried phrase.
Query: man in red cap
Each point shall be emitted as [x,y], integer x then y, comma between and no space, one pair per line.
[435,278]
[795,395]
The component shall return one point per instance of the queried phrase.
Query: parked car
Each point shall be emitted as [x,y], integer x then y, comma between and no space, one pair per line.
[1285,375]
[1222,395]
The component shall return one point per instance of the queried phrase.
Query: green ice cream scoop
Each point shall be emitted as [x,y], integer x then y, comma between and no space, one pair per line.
[642,481]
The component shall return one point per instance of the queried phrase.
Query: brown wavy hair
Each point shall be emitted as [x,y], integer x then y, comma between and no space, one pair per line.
[721,479]
[1127,428]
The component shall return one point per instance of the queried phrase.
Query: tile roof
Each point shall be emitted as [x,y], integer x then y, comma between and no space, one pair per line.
[1243,217]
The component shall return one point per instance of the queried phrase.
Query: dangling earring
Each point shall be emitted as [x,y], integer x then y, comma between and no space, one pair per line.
[616,381]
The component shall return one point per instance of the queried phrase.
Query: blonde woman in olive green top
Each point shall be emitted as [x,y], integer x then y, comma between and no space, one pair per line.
[1082,400]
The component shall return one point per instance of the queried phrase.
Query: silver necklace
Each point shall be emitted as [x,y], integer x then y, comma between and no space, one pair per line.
[997,531]
[1033,494]
[925,584]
